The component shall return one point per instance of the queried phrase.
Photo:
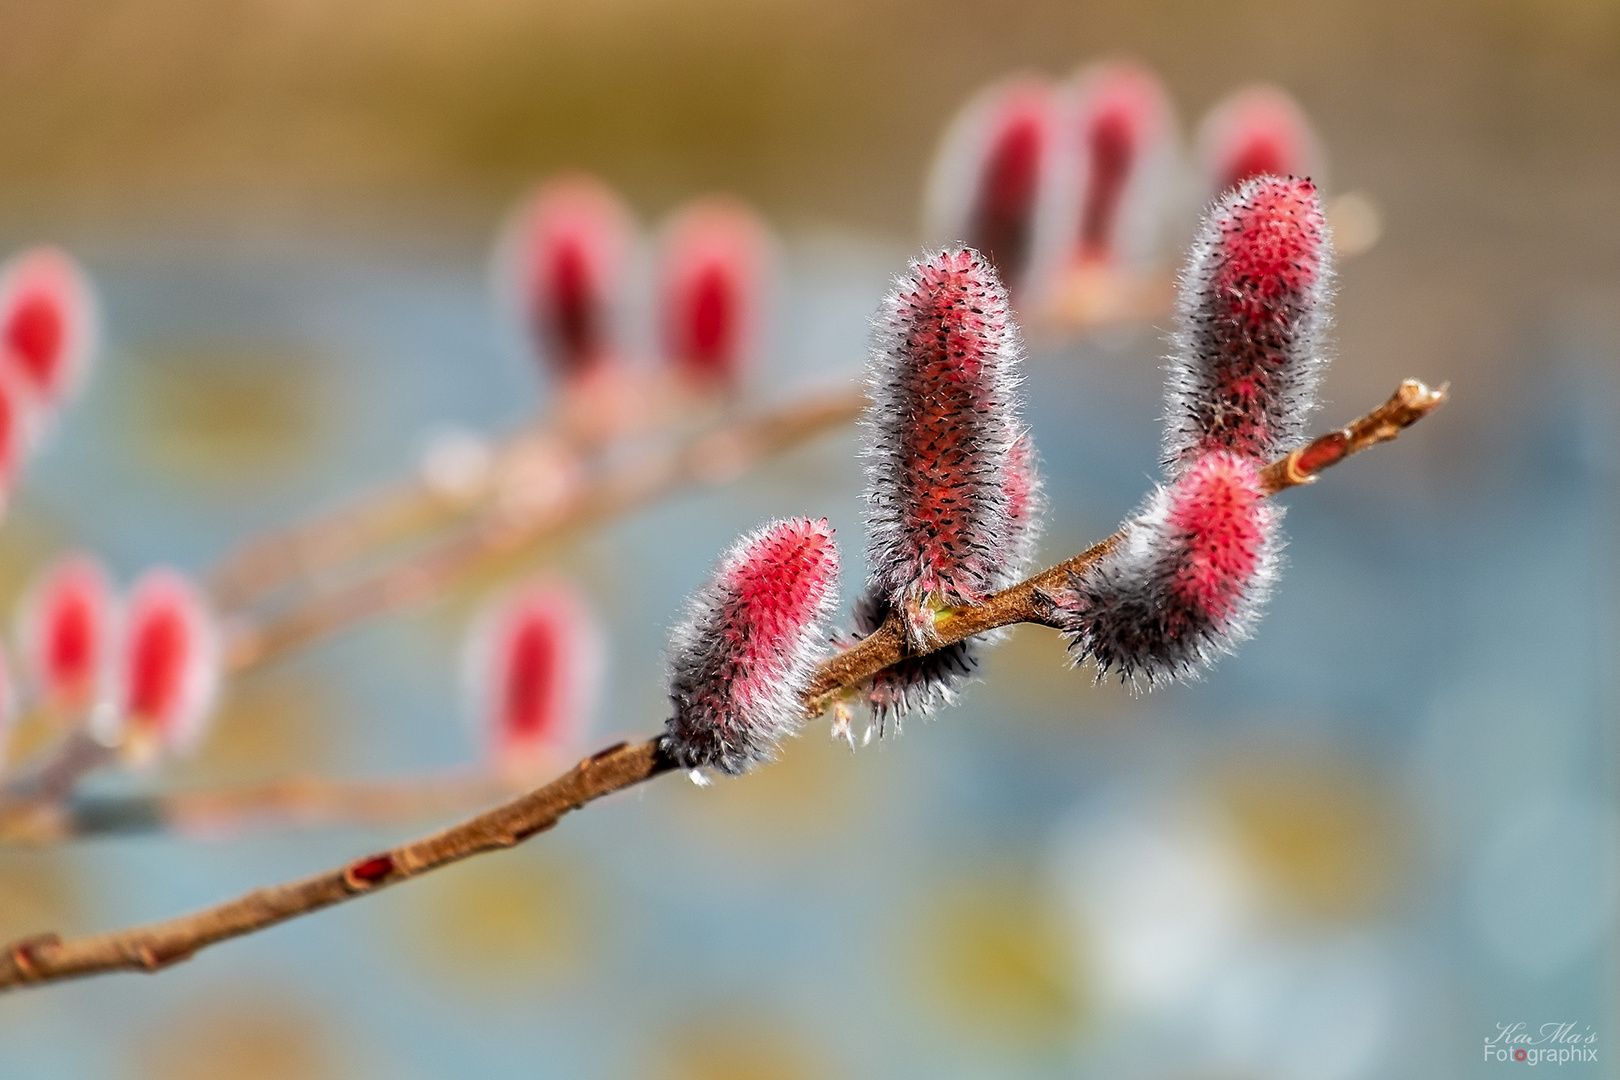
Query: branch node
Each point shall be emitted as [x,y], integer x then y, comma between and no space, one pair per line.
[1295,472]
[23,953]
[368,873]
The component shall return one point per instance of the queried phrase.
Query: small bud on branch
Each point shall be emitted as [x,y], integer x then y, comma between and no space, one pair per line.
[1121,128]
[566,259]
[47,323]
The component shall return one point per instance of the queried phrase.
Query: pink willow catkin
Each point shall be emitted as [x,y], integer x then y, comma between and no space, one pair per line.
[953,489]
[748,646]
[1188,583]
[939,437]
[1248,344]
[1198,561]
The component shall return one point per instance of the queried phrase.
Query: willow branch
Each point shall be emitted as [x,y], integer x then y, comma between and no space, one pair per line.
[304,802]
[590,416]
[48,957]
[711,458]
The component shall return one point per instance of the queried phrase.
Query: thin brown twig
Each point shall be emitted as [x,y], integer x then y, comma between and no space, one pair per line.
[711,458]
[48,958]
[591,415]
[302,802]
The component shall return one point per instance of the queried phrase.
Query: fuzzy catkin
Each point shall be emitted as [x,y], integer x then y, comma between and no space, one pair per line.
[1189,580]
[924,684]
[939,436]
[1248,346]
[748,646]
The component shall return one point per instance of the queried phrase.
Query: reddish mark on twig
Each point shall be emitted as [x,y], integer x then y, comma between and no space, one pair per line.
[368,872]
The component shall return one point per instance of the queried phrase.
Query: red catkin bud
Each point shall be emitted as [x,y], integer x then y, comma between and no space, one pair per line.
[985,189]
[1257,131]
[939,433]
[168,663]
[535,662]
[47,323]
[1188,581]
[748,645]
[1250,325]
[713,281]
[1120,159]
[566,259]
[65,630]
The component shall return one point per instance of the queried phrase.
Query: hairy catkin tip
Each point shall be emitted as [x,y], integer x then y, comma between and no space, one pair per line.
[743,655]
[1251,322]
[1188,582]
[565,262]
[64,628]
[535,666]
[940,433]
[714,269]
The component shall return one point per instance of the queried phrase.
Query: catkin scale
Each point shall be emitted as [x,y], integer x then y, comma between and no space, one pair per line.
[748,645]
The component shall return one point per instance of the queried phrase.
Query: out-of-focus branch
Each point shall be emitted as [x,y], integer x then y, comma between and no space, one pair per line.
[219,814]
[158,945]
[710,458]
[49,780]
[47,957]
[592,415]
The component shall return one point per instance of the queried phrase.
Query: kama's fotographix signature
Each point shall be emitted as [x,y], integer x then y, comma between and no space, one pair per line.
[1550,1044]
